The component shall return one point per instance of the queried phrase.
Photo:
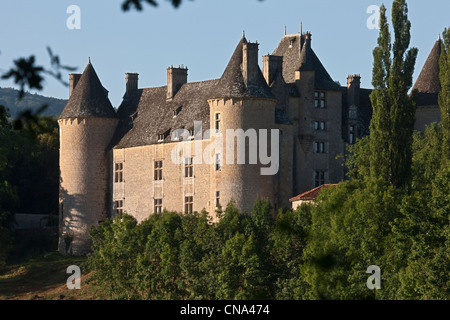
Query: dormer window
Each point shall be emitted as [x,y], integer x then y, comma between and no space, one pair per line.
[176,111]
[191,134]
[162,136]
[178,135]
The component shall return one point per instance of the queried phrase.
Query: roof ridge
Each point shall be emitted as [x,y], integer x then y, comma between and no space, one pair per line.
[304,194]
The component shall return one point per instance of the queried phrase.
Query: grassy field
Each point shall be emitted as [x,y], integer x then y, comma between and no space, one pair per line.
[44,278]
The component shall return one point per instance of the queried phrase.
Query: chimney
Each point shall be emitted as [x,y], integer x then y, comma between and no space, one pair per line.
[272,65]
[73,80]
[250,66]
[308,38]
[131,80]
[176,77]
[353,89]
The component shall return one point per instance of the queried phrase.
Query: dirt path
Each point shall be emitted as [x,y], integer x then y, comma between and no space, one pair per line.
[44,279]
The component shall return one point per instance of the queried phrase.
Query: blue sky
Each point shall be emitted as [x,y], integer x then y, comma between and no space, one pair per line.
[201,34]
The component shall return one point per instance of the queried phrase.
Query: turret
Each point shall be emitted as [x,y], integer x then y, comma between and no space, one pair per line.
[86,124]
[428,86]
[241,109]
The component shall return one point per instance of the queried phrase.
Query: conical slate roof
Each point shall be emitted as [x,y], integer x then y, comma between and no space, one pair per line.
[310,61]
[428,83]
[232,85]
[89,98]
[298,55]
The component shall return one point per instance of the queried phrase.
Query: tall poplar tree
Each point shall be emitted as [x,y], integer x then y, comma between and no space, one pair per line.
[392,123]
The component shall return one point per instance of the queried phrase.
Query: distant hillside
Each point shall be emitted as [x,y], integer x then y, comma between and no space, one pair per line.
[9,99]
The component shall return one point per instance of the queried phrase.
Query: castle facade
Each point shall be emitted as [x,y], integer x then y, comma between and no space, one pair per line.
[193,146]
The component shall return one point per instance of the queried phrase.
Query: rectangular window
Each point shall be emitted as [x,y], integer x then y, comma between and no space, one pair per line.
[158,170]
[320,125]
[176,112]
[188,204]
[157,206]
[218,166]
[188,168]
[217,124]
[351,135]
[319,178]
[320,147]
[320,99]
[217,199]
[118,172]
[119,207]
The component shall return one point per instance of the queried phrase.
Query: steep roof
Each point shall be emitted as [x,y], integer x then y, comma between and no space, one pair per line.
[89,98]
[299,56]
[232,85]
[312,194]
[428,83]
[146,114]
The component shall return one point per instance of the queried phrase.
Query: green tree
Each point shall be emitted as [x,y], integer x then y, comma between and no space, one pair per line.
[289,238]
[8,194]
[444,95]
[392,122]
[350,231]
[241,276]
[116,245]
[425,233]
[198,252]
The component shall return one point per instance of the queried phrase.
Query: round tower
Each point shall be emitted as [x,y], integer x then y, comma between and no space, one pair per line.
[243,113]
[87,125]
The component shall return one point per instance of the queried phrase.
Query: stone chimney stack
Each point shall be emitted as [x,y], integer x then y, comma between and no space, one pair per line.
[176,77]
[250,66]
[73,80]
[131,80]
[272,65]
[308,39]
[353,89]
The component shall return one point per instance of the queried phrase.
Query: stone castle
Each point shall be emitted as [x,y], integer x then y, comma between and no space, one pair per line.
[115,161]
